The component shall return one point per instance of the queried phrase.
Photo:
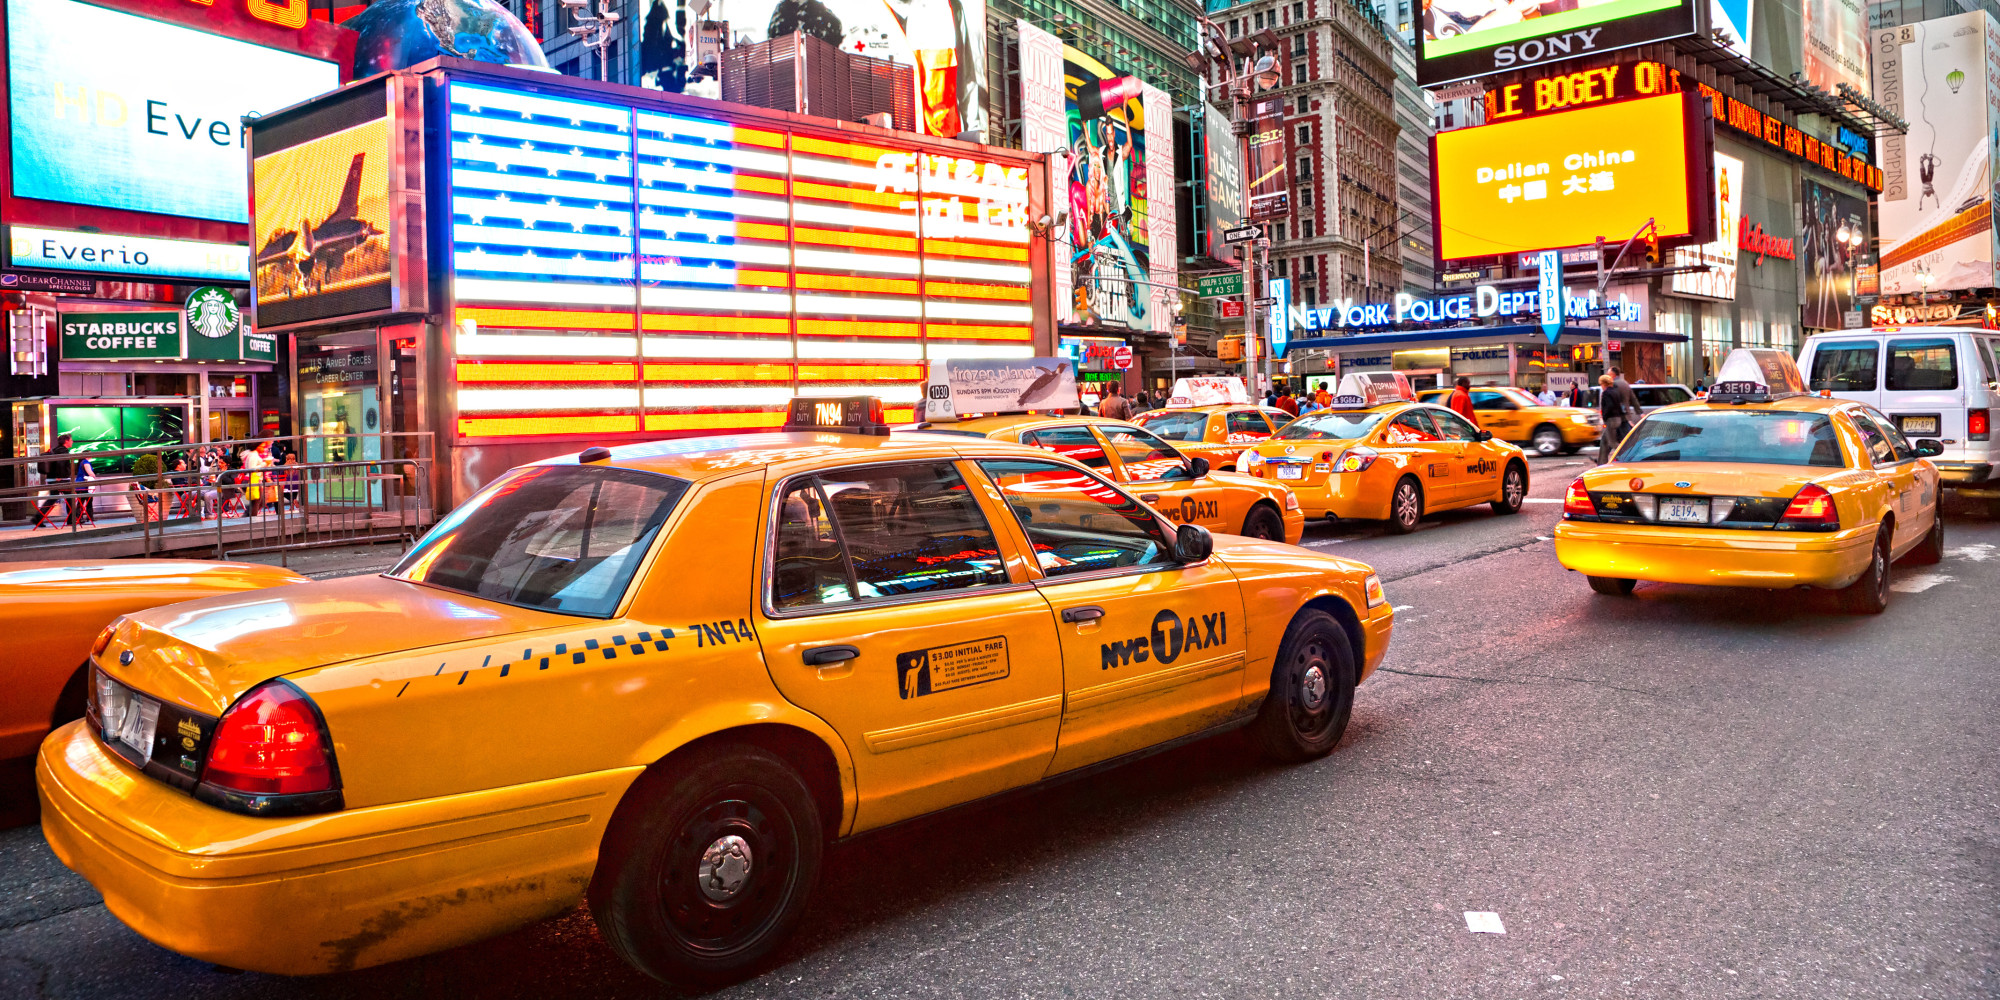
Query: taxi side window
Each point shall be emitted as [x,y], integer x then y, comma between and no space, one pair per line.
[1490,400]
[1248,422]
[881,532]
[1880,451]
[1452,427]
[1077,522]
[1074,443]
[1899,446]
[1147,459]
[1411,427]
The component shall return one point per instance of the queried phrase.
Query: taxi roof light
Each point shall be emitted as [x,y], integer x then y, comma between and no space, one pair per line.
[839,414]
[1362,390]
[1208,390]
[271,742]
[1577,500]
[1756,375]
[1812,507]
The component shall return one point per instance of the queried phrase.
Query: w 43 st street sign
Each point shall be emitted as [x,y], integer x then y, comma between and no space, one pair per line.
[1215,286]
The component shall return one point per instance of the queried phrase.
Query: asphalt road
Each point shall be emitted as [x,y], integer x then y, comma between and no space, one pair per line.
[1687,793]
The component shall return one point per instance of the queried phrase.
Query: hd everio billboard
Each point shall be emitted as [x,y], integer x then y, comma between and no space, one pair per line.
[1460,39]
[1565,179]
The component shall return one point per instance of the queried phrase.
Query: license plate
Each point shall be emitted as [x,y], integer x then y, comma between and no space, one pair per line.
[1684,511]
[1291,472]
[131,718]
[1919,425]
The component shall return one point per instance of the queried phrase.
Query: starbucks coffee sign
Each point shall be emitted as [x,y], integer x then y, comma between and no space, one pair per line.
[215,330]
[115,336]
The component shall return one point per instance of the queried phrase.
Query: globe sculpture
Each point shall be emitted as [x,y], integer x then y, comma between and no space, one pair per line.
[399,33]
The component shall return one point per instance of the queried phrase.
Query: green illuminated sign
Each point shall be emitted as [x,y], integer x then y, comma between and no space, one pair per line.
[116,336]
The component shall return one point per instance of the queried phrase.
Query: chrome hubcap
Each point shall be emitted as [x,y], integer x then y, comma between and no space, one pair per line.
[725,868]
[1406,504]
[1514,489]
[1312,688]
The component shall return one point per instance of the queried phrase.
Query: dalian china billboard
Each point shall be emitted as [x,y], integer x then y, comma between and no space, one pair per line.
[1459,39]
[1936,209]
[943,41]
[1116,180]
[1565,179]
[679,269]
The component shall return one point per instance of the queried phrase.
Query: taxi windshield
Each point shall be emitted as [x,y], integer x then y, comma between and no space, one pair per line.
[1174,425]
[1762,437]
[1331,425]
[562,538]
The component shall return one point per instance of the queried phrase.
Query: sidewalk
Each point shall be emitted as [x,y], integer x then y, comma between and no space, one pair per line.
[325,564]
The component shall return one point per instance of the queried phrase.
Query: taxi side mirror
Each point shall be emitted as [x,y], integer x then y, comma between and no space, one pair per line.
[1483,436]
[1192,543]
[1927,447]
[1197,467]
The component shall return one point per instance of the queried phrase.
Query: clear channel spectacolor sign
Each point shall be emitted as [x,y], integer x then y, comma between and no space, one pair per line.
[122,336]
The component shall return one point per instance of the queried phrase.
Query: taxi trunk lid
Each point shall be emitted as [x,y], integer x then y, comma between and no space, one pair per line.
[1706,478]
[205,654]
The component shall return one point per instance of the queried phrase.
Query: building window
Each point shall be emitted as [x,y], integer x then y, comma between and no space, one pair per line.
[1281,265]
[1306,195]
[1299,72]
[1306,269]
[1235,27]
[1305,135]
[1312,296]
[1305,104]
[1305,167]
[1299,11]
[1259,19]
[1299,44]
[1281,231]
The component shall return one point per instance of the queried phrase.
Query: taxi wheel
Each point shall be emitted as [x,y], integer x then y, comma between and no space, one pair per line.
[1930,551]
[1406,507]
[1513,490]
[1264,523]
[1312,691]
[1870,594]
[1546,441]
[1612,586]
[707,864]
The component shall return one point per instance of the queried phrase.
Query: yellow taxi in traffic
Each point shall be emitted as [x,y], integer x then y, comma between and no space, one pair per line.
[50,612]
[1759,485]
[1515,415]
[1376,454]
[1187,489]
[662,677]
[1212,416]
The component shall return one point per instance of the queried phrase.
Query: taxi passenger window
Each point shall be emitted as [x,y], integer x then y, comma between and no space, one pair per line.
[1899,449]
[560,538]
[1451,426]
[1249,423]
[1176,425]
[1880,451]
[1411,427]
[1492,401]
[1077,522]
[1845,366]
[1074,443]
[1147,459]
[865,534]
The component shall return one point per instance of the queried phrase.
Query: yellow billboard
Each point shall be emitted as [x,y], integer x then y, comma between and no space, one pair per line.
[1565,179]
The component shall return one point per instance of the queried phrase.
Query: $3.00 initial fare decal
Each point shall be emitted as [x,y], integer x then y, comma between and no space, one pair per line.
[1170,636]
[942,668]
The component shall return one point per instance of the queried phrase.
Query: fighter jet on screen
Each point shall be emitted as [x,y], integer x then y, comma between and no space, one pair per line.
[314,252]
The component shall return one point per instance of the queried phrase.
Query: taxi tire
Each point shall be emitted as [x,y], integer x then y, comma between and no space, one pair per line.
[1398,507]
[1546,441]
[1264,523]
[1502,505]
[1288,727]
[1930,551]
[1612,586]
[653,850]
[1870,594]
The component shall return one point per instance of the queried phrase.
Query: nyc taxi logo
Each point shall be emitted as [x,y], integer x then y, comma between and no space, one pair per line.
[1190,510]
[1482,467]
[1171,635]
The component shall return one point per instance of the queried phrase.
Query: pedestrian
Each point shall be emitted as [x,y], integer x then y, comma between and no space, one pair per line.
[1322,398]
[1618,411]
[255,460]
[1547,397]
[1461,400]
[54,475]
[1289,403]
[1114,405]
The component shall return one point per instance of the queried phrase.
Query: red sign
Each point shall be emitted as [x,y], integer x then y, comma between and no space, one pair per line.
[1121,358]
[1755,240]
[1232,308]
[1614,346]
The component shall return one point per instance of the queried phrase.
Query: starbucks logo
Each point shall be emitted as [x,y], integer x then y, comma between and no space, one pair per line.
[212,313]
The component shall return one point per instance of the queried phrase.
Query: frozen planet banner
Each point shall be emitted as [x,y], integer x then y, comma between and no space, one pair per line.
[680,45]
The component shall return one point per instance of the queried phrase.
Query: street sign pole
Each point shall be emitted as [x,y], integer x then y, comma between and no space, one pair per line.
[1551,288]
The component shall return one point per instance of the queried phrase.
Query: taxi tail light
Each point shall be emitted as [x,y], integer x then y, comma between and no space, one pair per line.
[1812,507]
[1979,424]
[1354,459]
[272,742]
[1577,500]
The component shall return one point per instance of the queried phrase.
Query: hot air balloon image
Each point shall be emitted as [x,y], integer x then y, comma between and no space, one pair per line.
[1955,79]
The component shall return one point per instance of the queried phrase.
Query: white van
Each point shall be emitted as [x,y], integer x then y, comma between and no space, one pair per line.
[1937,382]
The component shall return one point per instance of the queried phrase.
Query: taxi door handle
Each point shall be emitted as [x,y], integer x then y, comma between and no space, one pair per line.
[1149,497]
[820,656]
[1086,613]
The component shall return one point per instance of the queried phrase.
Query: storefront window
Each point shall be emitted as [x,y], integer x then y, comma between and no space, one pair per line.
[340,410]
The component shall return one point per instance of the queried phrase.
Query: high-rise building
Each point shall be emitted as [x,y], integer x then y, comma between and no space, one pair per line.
[1416,123]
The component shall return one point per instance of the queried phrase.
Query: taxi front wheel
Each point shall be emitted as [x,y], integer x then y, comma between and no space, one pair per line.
[1612,586]
[1312,691]
[1513,490]
[1264,523]
[707,865]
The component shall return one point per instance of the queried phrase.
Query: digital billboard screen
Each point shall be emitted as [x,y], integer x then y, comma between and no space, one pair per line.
[1565,179]
[1460,39]
[119,111]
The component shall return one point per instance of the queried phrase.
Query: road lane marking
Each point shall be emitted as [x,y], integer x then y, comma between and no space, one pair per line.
[1917,583]
[1541,499]
[1483,922]
[1978,552]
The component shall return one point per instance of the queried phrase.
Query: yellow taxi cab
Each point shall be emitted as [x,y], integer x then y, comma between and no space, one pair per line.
[1515,415]
[1186,488]
[1759,485]
[1376,454]
[1212,416]
[661,678]
[50,611]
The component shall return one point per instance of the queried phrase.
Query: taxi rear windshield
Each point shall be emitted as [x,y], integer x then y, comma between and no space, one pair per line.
[562,538]
[1759,437]
[1175,425]
[1335,426]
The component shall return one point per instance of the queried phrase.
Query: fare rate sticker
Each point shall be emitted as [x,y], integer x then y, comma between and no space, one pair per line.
[943,668]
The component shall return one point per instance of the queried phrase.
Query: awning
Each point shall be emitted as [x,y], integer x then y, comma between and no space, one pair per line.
[1571,334]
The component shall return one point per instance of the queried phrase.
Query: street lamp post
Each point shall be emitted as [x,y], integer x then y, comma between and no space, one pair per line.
[1260,73]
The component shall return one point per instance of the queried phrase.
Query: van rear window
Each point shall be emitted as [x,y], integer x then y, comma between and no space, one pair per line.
[1847,366]
[1922,364]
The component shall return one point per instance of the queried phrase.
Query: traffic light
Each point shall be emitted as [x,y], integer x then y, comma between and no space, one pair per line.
[1652,238]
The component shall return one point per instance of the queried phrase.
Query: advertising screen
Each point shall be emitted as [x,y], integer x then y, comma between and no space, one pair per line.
[1936,209]
[1565,179]
[324,221]
[1467,38]
[944,41]
[115,428]
[1831,264]
[1834,51]
[135,256]
[1717,255]
[120,111]
[755,263]
[1222,187]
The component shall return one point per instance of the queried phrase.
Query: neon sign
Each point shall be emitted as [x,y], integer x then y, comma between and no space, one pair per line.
[1753,239]
[1483,302]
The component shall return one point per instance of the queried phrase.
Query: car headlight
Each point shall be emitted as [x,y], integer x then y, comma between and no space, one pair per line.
[1374,588]
[1581,418]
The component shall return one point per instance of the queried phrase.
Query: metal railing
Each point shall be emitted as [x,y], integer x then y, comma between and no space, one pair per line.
[378,489]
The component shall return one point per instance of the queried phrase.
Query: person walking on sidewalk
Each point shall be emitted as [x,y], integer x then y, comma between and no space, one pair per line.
[1114,405]
[1618,405]
[1461,400]
[56,475]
